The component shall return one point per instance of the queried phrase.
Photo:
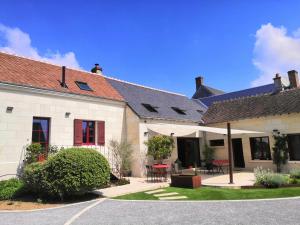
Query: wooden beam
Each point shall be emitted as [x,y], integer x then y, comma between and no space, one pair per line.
[229,153]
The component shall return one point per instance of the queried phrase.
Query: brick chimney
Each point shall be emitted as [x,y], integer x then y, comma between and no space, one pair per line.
[277,83]
[293,78]
[97,69]
[199,82]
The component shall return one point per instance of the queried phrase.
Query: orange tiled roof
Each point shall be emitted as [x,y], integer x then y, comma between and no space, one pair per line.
[27,72]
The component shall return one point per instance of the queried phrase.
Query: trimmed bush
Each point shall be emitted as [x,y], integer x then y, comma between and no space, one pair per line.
[70,172]
[11,188]
[295,173]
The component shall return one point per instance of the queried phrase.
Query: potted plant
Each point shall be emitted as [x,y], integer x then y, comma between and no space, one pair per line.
[209,155]
[160,147]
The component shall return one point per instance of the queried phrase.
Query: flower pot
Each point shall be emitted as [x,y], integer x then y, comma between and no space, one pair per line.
[41,157]
[126,173]
[185,181]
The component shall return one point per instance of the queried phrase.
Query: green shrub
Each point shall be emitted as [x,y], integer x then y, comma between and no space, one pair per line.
[32,153]
[33,177]
[73,171]
[11,188]
[295,173]
[269,179]
[275,180]
[293,181]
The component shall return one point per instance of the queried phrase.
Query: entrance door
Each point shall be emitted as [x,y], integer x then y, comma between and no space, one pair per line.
[188,151]
[238,155]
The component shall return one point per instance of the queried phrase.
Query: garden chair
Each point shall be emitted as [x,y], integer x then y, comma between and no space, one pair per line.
[149,172]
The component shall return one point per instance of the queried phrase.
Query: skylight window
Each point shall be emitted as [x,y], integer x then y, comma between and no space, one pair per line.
[83,86]
[150,108]
[179,111]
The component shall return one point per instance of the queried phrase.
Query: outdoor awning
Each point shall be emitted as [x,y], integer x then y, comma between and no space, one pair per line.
[185,130]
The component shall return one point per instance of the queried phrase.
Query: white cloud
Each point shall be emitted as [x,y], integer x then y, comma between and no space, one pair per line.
[14,40]
[275,52]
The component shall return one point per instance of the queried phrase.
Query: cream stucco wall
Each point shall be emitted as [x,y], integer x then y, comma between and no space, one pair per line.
[286,124]
[16,127]
[138,134]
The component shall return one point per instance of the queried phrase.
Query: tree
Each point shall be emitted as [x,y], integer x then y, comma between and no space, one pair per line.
[209,155]
[122,154]
[280,150]
[160,147]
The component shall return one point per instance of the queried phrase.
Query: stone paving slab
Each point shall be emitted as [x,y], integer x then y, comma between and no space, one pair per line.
[155,191]
[166,194]
[173,197]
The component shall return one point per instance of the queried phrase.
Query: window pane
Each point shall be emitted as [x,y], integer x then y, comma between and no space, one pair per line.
[294,146]
[91,139]
[84,132]
[36,125]
[260,148]
[217,142]
[40,131]
[43,136]
[35,136]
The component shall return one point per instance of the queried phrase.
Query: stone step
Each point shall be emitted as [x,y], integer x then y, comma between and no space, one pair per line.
[166,194]
[173,197]
[155,191]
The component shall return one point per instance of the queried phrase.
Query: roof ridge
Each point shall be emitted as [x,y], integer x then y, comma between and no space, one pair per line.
[240,98]
[49,63]
[234,91]
[147,87]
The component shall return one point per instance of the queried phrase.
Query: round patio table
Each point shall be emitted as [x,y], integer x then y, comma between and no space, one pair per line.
[161,170]
[160,166]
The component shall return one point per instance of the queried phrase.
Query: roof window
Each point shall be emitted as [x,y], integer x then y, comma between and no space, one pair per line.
[178,110]
[150,108]
[83,86]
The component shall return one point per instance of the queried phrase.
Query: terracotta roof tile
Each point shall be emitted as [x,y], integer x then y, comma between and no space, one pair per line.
[27,72]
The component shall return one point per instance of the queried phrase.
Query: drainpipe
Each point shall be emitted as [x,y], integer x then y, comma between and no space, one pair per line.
[229,153]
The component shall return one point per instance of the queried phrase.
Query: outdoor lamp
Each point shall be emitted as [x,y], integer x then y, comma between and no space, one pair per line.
[67,114]
[9,109]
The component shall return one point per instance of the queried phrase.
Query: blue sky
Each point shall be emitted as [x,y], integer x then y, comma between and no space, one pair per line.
[163,44]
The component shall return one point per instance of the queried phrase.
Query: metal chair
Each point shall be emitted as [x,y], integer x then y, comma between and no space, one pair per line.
[150,173]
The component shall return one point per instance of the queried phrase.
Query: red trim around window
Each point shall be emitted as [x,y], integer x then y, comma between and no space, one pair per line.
[44,143]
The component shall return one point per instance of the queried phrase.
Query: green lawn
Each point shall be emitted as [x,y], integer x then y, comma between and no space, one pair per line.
[210,193]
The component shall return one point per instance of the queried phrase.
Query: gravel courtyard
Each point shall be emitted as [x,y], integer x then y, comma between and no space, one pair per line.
[284,211]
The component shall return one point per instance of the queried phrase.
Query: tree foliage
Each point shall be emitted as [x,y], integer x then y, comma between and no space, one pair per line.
[160,147]
[280,151]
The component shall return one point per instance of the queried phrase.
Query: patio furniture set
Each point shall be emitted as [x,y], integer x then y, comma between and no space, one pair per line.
[157,172]
[160,172]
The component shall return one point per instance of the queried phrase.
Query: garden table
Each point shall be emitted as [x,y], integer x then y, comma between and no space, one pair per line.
[160,170]
[219,164]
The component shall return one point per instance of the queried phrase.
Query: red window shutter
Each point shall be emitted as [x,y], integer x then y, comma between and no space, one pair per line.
[101,132]
[77,132]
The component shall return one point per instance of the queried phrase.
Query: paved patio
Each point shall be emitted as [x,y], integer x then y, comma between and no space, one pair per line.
[239,179]
[137,184]
[141,184]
